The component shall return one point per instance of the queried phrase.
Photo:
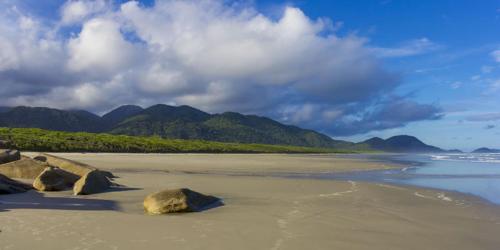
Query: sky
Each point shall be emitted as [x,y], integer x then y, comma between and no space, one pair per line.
[349,69]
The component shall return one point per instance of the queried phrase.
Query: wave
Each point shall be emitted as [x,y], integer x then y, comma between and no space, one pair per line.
[483,158]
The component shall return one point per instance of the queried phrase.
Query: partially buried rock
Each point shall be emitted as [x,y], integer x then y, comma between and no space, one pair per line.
[25,168]
[91,183]
[40,158]
[178,200]
[9,155]
[54,179]
[9,186]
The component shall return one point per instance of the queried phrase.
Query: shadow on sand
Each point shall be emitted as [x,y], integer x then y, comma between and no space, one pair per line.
[216,204]
[120,189]
[35,200]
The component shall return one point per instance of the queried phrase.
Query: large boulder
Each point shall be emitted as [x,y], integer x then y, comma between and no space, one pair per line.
[74,167]
[25,168]
[54,179]
[92,182]
[178,200]
[9,155]
[9,186]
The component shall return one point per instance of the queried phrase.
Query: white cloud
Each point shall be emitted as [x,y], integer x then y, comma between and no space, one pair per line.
[203,53]
[496,55]
[475,77]
[410,48]
[456,85]
[100,48]
[8,55]
[78,10]
[494,86]
[486,69]
[211,43]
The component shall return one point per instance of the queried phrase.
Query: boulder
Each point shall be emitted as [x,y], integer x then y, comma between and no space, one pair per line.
[9,186]
[54,179]
[74,167]
[9,155]
[178,200]
[91,183]
[25,168]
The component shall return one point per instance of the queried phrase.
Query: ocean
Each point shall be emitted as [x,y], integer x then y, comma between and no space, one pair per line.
[476,174]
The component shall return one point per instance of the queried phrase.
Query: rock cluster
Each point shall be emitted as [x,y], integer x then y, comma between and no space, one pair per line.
[51,173]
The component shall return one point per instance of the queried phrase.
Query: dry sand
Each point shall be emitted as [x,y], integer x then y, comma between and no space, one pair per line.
[259,212]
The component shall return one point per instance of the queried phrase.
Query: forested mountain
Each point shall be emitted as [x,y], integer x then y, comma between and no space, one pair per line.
[185,122]
[399,144]
[166,121]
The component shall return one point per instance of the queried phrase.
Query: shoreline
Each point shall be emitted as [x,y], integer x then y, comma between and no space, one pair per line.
[259,212]
[380,164]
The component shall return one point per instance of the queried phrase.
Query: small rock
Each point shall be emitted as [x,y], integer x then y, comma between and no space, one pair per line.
[91,183]
[178,200]
[54,179]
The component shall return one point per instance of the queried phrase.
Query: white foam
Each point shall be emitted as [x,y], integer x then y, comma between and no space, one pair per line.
[443,197]
[482,158]
[439,157]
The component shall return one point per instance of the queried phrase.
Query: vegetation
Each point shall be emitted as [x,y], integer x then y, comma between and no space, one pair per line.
[33,139]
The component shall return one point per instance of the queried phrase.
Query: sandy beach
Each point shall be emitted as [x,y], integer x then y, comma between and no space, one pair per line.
[259,212]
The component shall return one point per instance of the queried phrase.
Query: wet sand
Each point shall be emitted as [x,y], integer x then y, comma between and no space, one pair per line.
[259,212]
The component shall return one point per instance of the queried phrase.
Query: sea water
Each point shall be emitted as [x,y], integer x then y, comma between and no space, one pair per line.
[476,174]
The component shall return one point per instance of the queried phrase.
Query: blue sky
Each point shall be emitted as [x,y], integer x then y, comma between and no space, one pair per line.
[351,69]
[466,33]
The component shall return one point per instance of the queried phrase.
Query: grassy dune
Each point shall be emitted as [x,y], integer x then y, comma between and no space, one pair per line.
[30,139]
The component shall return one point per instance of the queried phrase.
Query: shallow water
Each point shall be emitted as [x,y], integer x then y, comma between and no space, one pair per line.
[477,174]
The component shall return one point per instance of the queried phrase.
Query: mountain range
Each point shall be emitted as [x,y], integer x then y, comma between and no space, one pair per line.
[166,121]
[400,144]
[185,122]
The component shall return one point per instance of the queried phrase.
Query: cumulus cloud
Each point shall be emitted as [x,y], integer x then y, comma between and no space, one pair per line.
[100,48]
[208,54]
[76,11]
[392,113]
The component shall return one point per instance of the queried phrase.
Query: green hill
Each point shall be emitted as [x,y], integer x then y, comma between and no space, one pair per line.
[52,119]
[398,144]
[170,122]
[31,139]
[187,123]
